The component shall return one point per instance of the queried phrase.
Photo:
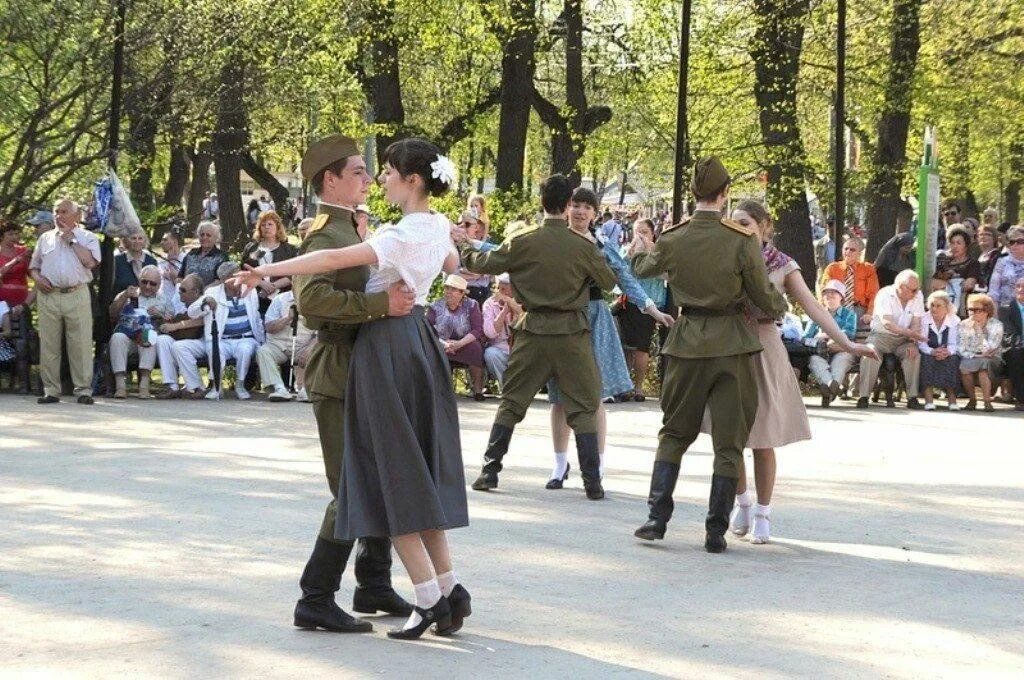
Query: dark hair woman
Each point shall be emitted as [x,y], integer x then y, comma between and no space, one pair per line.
[636,325]
[269,244]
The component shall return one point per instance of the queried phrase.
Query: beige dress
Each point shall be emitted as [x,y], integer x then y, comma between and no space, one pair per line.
[781,416]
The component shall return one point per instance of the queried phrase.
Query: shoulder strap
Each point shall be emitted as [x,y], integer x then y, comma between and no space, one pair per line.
[678,224]
[736,226]
[319,223]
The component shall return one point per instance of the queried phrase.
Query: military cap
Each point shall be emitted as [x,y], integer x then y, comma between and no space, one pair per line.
[709,177]
[323,152]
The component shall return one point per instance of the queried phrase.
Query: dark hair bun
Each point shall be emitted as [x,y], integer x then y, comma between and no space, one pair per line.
[414,156]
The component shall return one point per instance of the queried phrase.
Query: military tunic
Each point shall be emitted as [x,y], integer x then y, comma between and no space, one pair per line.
[714,267]
[333,305]
[550,269]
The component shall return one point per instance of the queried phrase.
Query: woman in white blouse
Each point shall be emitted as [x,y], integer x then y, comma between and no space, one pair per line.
[939,360]
[980,341]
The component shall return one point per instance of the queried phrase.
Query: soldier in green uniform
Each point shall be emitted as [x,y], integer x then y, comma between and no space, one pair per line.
[714,266]
[334,305]
[550,268]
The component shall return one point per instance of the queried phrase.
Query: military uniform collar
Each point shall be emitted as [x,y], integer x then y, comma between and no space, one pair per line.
[556,222]
[334,210]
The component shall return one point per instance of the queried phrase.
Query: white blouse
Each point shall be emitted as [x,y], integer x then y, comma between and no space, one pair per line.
[412,251]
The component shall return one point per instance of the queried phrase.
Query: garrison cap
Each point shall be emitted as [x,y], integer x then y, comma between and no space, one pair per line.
[709,177]
[323,152]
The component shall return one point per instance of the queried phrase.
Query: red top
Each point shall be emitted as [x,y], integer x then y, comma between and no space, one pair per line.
[14,284]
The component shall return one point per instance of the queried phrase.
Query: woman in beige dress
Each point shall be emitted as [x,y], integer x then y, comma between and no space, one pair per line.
[781,417]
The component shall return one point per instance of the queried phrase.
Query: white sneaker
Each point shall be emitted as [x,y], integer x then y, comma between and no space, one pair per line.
[280,394]
[302,396]
[242,393]
[929,407]
[954,407]
[740,523]
[213,395]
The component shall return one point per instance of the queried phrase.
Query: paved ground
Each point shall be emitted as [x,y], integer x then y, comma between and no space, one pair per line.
[165,539]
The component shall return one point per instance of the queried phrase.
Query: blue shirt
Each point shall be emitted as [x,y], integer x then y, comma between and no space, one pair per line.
[237,324]
[845,318]
[611,232]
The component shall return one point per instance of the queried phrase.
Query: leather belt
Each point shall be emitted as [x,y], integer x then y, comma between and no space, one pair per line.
[708,311]
[335,336]
[68,289]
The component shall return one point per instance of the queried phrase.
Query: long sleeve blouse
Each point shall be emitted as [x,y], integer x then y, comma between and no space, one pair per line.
[933,331]
[975,341]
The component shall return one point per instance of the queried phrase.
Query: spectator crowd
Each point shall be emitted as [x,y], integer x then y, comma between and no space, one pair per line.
[175,309]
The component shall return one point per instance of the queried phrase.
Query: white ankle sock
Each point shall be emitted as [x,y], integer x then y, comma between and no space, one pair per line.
[447,582]
[765,510]
[745,499]
[427,595]
[762,525]
[561,465]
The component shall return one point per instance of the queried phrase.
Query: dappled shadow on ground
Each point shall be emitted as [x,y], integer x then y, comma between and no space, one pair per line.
[178,540]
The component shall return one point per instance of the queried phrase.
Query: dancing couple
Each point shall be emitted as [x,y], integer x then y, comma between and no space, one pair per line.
[391,451]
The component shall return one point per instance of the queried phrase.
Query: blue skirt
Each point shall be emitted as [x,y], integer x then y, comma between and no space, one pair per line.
[611,361]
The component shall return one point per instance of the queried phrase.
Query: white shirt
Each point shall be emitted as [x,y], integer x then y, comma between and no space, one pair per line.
[57,261]
[952,322]
[888,304]
[280,307]
[4,309]
[412,251]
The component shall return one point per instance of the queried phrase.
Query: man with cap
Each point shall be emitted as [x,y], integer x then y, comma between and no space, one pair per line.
[830,367]
[333,305]
[551,269]
[714,268]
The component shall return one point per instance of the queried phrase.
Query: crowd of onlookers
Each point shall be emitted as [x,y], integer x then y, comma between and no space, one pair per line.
[175,309]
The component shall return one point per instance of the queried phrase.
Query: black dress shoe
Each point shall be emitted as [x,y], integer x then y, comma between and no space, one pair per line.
[48,399]
[459,601]
[913,404]
[557,483]
[388,601]
[486,481]
[478,396]
[862,402]
[86,399]
[639,397]
[652,530]
[329,616]
[440,613]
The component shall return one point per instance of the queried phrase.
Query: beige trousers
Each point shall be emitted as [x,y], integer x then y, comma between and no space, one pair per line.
[67,316]
[886,343]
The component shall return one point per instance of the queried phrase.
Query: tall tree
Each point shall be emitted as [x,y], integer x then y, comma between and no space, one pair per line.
[890,157]
[778,41]
[518,64]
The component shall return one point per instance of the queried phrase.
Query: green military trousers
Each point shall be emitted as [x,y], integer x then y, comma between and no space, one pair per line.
[724,385]
[535,359]
[330,422]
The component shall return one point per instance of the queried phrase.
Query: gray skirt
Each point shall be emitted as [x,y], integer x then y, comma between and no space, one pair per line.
[402,470]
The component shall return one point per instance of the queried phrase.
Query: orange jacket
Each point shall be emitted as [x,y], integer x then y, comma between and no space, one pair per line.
[865,282]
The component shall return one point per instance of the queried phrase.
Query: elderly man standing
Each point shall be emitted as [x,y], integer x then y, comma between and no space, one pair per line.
[896,329]
[62,267]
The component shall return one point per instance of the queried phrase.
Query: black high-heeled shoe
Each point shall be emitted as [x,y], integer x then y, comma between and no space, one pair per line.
[557,483]
[440,613]
[459,601]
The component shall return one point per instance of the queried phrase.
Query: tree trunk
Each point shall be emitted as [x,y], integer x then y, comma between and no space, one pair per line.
[517,68]
[141,148]
[890,157]
[199,185]
[230,142]
[278,192]
[177,176]
[778,40]
[1011,210]
[383,85]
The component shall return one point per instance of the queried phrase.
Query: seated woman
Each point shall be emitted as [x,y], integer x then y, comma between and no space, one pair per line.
[830,371]
[206,257]
[6,346]
[940,362]
[500,313]
[14,261]
[989,242]
[269,244]
[980,342]
[128,264]
[458,322]
[956,272]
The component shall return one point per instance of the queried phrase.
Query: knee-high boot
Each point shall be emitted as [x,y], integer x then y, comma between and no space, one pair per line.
[497,447]
[590,464]
[320,581]
[663,484]
[720,502]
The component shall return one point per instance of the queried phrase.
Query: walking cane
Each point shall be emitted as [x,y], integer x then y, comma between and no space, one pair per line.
[295,331]
[215,352]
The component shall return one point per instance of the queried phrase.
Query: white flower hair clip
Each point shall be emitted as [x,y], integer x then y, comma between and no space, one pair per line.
[444,170]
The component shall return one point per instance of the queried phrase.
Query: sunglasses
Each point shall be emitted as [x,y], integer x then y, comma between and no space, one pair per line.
[950,213]
[975,309]
[1016,242]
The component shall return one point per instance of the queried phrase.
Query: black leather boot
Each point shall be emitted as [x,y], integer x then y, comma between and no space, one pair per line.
[320,581]
[373,575]
[663,484]
[590,465]
[720,502]
[497,447]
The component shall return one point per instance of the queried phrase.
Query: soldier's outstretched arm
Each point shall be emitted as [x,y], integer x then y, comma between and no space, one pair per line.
[316,295]
[755,280]
[647,265]
[492,262]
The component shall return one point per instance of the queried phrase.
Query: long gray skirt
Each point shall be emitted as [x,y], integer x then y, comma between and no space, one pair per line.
[402,468]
